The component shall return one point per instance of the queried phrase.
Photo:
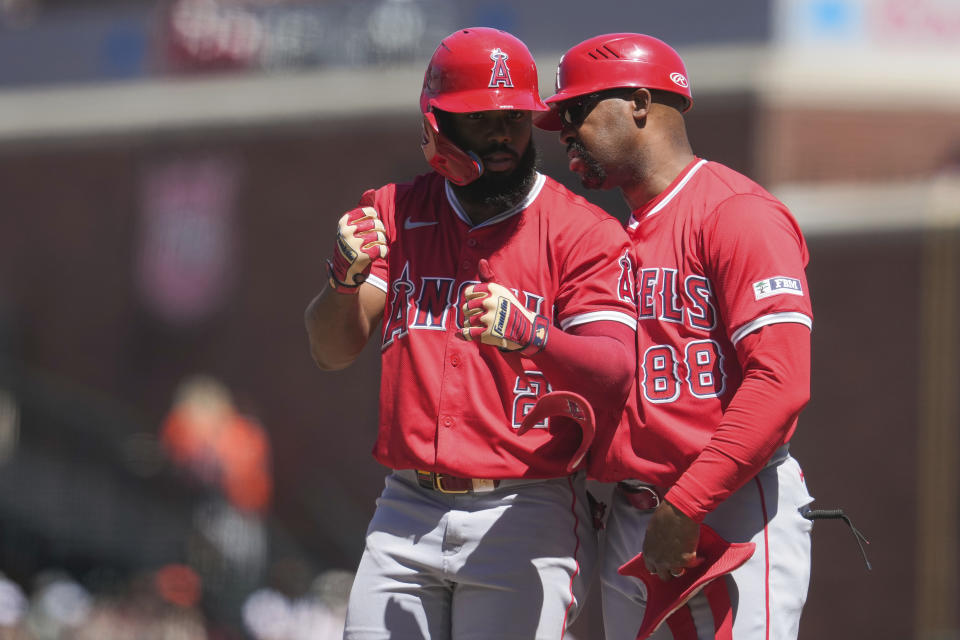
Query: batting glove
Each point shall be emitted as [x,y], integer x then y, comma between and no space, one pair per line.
[361,239]
[492,315]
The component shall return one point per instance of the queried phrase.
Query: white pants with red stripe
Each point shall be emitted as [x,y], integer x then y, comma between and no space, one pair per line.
[511,564]
[766,593]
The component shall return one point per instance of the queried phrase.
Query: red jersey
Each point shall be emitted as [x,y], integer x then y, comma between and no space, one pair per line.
[718,258]
[452,406]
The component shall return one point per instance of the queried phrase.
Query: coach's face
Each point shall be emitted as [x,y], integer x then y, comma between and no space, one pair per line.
[597,132]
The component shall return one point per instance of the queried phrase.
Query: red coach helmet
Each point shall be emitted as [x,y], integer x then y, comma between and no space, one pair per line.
[475,69]
[617,60]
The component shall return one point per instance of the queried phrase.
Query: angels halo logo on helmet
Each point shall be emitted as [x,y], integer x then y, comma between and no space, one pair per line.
[614,61]
[500,74]
[474,69]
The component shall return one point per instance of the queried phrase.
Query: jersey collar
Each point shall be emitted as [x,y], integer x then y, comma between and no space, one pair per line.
[500,217]
[654,206]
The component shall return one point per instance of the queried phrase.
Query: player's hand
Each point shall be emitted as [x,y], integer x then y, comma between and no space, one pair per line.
[361,239]
[493,315]
[670,543]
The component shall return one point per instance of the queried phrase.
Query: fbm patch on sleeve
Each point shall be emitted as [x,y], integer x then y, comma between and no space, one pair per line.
[776,286]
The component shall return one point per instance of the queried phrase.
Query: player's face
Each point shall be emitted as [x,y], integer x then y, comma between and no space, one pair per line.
[591,132]
[504,142]
[499,138]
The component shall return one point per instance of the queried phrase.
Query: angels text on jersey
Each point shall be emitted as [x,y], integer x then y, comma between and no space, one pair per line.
[429,304]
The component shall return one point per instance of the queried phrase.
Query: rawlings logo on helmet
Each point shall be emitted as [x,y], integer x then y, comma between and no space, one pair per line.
[679,79]
[500,73]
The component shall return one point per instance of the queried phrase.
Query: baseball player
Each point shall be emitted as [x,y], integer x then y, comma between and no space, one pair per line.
[723,355]
[496,289]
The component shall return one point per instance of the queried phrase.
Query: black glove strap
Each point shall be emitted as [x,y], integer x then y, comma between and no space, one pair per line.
[341,287]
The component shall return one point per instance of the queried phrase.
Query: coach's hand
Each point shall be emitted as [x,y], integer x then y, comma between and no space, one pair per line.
[492,315]
[361,239]
[670,543]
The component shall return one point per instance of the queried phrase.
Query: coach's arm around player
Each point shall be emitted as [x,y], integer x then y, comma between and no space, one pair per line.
[595,359]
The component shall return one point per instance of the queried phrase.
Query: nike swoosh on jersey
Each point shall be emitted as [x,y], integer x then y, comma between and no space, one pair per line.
[411,224]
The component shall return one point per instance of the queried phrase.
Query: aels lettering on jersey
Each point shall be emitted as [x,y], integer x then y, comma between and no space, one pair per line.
[660,296]
[500,73]
[776,286]
[428,302]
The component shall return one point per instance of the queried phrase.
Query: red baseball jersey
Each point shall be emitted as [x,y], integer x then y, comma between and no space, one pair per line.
[453,406]
[718,257]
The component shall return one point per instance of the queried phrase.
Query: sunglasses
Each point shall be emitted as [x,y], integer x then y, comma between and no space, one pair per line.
[574,111]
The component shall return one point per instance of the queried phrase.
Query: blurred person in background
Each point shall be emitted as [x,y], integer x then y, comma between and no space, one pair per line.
[322,612]
[216,446]
[227,456]
[59,605]
[152,604]
[13,608]
[287,609]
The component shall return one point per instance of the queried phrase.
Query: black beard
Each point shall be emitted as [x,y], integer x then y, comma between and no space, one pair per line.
[503,190]
[595,175]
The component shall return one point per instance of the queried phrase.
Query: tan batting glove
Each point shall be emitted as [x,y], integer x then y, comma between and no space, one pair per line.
[494,316]
[361,239]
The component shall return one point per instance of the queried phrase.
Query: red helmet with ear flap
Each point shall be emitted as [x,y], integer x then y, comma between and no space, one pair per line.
[616,60]
[475,69]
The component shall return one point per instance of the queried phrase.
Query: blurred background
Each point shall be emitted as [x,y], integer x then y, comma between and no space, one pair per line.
[172,463]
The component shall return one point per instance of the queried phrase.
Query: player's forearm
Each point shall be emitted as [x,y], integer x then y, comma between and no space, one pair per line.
[597,360]
[338,328]
[759,419]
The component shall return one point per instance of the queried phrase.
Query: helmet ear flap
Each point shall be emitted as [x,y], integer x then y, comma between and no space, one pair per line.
[458,166]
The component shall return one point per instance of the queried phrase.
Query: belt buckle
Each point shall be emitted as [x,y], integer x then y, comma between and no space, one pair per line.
[435,481]
[438,485]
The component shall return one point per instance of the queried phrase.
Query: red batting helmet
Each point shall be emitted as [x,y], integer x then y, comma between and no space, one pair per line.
[617,60]
[475,69]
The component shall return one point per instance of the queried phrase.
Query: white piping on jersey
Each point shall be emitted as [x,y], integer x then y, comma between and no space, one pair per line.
[594,316]
[500,217]
[633,222]
[379,283]
[773,318]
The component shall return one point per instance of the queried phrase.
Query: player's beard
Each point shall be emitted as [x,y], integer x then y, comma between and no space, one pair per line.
[595,175]
[503,190]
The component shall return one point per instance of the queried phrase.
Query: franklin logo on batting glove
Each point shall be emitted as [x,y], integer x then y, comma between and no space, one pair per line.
[503,312]
[494,316]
